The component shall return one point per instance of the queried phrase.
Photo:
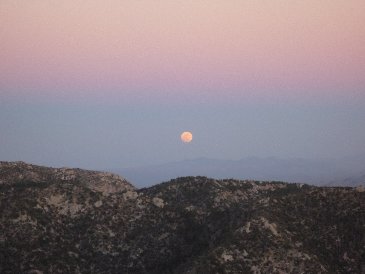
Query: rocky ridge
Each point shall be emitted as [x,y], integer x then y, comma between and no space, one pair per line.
[77,221]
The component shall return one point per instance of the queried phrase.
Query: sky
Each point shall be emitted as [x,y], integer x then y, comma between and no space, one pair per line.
[106,84]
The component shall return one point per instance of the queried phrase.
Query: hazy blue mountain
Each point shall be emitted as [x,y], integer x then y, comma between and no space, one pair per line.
[317,172]
[350,181]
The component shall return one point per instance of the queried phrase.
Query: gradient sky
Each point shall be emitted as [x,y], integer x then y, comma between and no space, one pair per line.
[113,83]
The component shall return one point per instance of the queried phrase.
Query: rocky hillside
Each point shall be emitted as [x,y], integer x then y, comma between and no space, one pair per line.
[78,221]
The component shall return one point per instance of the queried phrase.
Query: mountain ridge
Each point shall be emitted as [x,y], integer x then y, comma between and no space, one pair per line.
[186,225]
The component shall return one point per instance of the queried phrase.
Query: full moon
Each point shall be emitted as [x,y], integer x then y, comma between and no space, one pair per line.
[186,136]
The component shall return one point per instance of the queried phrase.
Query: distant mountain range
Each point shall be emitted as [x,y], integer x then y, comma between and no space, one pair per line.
[345,171]
[64,220]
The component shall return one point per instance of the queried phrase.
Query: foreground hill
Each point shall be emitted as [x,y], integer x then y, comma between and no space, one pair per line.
[78,221]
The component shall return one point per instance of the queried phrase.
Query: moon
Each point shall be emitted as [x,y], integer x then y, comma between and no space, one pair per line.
[186,136]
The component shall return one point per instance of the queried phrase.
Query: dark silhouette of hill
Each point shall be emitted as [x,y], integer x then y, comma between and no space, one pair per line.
[79,221]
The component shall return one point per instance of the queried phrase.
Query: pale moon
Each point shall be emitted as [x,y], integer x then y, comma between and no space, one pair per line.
[186,136]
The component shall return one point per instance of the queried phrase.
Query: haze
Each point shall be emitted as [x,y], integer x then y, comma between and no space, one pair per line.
[107,84]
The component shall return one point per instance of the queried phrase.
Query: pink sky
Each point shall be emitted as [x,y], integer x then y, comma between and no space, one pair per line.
[115,48]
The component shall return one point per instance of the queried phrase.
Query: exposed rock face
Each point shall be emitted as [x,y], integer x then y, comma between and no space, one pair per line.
[77,221]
